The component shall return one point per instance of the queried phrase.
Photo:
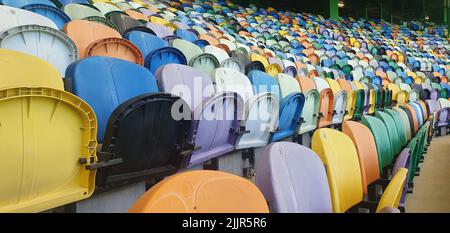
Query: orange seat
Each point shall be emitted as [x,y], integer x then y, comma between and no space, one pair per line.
[367,151]
[202,192]
[136,15]
[306,84]
[345,85]
[84,32]
[211,40]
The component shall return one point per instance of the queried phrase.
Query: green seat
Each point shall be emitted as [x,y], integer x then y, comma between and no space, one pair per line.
[379,99]
[414,154]
[392,131]
[405,122]
[387,98]
[399,125]
[380,133]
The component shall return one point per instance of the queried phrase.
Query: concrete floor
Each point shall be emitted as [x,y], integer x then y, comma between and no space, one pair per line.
[432,187]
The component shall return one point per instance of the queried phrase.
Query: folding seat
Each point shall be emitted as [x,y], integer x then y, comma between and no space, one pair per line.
[146,42]
[23,70]
[54,14]
[161,31]
[137,15]
[340,101]
[372,98]
[339,155]
[32,92]
[22,3]
[293,179]
[133,121]
[401,131]
[256,57]
[368,157]
[195,56]
[326,103]
[260,118]
[291,100]
[14,17]
[44,42]
[413,117]
[392,131]
[79,11]
[309,117]
[186,35]
[85,33]
[210,110]
[208,192]
[350,105]
[420,115]
[125,23]
[105,7]
[382,139]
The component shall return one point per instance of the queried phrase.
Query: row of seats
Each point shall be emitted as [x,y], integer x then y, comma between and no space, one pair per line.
[135,70]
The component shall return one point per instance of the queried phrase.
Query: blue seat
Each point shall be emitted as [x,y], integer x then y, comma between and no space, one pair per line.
[290,106]
[186,35]
[22,3]
[54,14]
[164,56]
[145,41]
[113,82]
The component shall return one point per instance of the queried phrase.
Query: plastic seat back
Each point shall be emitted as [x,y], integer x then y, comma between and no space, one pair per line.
[79,11]
[367,151]
[23,70]
[293,179]
[210,111]
[83,33]
[326,108]
[399,126]
[188,49]
[44,42]
[339,155]
[380,133]
[306,84]
[54,14]
[405,122]
[202,192]
[125,23]
[359,104]
[14,17]
[340,102]
[57,130]
[350,105]
[261,111]
[310,114]
[392,131]
[114,82]
[145,41]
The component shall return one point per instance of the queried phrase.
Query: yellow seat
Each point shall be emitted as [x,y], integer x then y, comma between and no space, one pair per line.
[372,101]
[393,193]
[334,85]
[260,58]
[46,135]
[202,192]
[19,69]
[273,69]
[159,20]
[395,88]
[339,155]
[358,85]
[350,106]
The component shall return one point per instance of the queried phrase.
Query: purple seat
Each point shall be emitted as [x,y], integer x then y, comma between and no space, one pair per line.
[214,114]
[366,101]
[402,162]
[443,117]
[434,94]
[293,179]
[272,60]
[160,31]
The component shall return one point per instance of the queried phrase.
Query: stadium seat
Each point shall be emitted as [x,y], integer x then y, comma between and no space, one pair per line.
[54,14]
[261,110]
[210,110]
[134,121]
[14,17]
[23,70]
[293,179]
[84,33]
[79,11]
[44,42]
[202,192]
[339,156]
[291,101]
[45,169]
